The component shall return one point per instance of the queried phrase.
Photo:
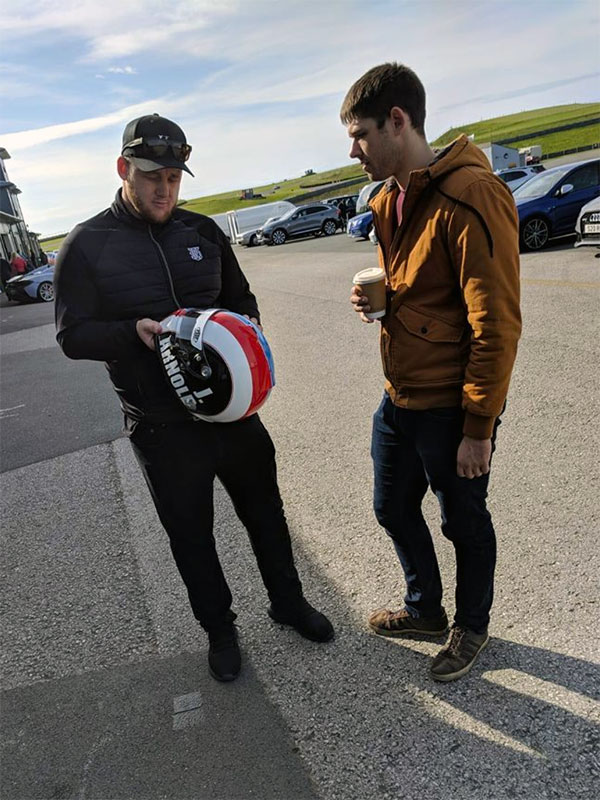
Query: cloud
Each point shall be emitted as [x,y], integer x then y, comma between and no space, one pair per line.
[23,140]
[523,91]
[258,92]
[123,70]
[147,23]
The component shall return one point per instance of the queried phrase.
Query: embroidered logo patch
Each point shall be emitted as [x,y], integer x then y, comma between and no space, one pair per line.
[195,253]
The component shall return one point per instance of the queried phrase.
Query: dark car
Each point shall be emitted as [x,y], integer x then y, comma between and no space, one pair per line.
[308,220]
[549,203]
[345,201]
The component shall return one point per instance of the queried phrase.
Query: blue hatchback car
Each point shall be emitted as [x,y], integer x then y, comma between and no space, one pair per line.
[360,226]
[549,203]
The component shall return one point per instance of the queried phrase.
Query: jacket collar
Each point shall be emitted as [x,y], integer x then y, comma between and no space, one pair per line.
[121,211]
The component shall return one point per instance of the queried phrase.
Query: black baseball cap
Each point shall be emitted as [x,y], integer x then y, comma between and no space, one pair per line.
[154,142]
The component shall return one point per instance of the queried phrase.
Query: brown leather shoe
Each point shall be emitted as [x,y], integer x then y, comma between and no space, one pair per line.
[458,656]
[402,623]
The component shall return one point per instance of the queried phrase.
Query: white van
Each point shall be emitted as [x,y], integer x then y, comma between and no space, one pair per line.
[246,219]
[221,220]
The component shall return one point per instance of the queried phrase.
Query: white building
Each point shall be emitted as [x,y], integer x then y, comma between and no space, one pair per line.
[14,235]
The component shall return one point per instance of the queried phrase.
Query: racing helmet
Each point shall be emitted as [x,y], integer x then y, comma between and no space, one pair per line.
[218,363]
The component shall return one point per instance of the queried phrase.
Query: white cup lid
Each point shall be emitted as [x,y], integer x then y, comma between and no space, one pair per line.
[370,275]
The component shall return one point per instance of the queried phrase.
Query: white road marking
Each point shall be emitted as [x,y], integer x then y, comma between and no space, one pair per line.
[4,411]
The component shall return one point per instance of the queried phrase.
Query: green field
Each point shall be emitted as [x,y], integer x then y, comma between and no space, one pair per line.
[493,130]
[287,189]
[48,245]
[484,131]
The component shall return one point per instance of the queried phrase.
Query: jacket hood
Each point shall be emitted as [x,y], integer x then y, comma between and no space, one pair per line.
[459,153]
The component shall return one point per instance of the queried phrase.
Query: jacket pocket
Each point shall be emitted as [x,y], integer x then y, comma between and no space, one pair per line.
[422,349]
[426,326]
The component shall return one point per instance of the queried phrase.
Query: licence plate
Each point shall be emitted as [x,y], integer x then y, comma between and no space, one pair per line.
[593,228]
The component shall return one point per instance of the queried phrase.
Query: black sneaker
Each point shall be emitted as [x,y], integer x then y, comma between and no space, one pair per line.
[402,623]
[458,656]
[309,622]
[224,658]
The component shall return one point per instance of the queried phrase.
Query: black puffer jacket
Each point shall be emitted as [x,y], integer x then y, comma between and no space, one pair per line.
[115,269]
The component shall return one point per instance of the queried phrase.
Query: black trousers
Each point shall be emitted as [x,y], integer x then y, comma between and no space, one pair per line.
[180,463]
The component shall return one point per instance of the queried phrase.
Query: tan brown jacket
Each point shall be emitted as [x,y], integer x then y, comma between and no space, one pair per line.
[453,322]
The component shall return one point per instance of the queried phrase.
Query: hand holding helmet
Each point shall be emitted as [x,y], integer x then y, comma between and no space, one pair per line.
[217,362]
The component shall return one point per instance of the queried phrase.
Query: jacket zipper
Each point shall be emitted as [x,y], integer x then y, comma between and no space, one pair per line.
[166,268]
[379,239]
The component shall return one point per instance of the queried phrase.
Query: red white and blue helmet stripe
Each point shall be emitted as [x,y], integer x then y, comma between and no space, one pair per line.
[239,344]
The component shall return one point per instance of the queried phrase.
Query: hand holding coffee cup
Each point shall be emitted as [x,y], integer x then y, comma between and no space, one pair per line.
[369,295]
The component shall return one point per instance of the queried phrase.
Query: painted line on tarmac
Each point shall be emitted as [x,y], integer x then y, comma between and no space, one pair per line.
[4,411]
[550,282]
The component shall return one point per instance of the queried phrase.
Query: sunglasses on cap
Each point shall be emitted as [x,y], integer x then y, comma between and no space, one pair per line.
[157,148]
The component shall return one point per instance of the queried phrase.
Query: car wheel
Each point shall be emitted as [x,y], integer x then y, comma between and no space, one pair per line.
[329,227]
[45,292]
[535,234]
[252,241]
[278,236]
[366,236]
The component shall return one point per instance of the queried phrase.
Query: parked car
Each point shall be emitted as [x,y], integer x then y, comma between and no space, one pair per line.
[587,227]
[518,176]
[549,204]
[360,226]
[366,194]
[349,200]
[250,238]
[313,219]
[34,285]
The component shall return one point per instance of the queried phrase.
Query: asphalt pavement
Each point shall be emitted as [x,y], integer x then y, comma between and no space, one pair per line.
[106,692]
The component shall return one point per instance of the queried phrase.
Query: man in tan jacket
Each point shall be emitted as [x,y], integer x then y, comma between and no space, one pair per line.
[448,241]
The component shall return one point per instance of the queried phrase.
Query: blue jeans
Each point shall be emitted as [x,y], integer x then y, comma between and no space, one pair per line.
[412,450]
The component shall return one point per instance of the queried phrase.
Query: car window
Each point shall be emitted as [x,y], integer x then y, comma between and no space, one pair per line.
[540,184]
[513,175]
[538,168]
[584,177]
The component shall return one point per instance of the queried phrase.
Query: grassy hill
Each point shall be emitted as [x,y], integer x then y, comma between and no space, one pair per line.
[288,189]
[484,131]
[526,122]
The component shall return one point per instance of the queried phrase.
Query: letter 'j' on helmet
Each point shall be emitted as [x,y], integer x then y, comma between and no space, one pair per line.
[217,363]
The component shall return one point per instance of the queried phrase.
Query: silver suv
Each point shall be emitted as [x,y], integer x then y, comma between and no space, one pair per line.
[313,219]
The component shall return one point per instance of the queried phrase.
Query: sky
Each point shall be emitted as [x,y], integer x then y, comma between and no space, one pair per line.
[257,84]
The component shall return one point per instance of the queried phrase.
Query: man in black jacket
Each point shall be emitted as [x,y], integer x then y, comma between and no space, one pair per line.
[116,276]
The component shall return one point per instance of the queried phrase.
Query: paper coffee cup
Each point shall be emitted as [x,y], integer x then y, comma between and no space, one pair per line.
[372,284]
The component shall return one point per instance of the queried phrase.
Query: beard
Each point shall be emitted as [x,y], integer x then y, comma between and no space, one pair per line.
[146,210]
